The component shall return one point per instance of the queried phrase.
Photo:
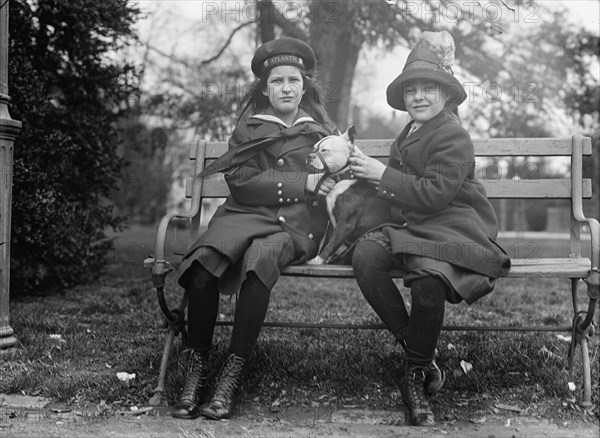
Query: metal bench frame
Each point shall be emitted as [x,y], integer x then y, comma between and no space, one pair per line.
[574,267]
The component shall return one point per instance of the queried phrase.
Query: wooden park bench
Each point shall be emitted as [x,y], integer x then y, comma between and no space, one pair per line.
[573,266]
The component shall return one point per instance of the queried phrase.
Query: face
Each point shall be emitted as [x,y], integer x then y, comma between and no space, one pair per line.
[334,150]
[423,100]
[284,89]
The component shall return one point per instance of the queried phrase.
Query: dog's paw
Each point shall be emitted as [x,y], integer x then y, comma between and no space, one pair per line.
[316,261]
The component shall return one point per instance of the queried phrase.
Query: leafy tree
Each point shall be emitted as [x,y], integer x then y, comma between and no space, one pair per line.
[68,91]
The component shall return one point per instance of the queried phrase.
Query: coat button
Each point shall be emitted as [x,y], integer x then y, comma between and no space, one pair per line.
[289,200]
[296,200]
[392,195]
[311,236]
[384,192]
[280,162]
[279,185]
[279,192]
[281,200]
[281,219]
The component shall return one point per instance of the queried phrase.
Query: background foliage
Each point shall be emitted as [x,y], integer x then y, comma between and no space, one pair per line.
[68,93]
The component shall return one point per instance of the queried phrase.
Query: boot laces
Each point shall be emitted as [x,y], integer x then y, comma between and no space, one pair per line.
[417,379]
[229,378]
[196,374]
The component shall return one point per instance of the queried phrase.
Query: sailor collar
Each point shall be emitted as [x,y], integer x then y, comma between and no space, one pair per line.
[267,117]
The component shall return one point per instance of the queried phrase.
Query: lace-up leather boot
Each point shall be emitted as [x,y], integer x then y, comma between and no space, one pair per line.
[188,405]
[436,377]
[413,393]
[229,378]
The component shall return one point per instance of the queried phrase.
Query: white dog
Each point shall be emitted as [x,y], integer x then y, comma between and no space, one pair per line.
[352,204]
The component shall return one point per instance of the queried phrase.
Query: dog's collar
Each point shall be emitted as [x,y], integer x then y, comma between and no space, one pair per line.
[326,168]
[338,176]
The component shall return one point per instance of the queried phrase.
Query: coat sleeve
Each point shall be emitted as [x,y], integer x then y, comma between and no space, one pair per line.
[430,185]
[251,184]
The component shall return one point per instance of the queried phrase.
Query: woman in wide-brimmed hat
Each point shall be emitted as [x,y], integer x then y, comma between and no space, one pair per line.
[444,241]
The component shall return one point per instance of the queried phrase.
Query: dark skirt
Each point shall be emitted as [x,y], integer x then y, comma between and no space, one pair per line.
[463,283]
[265,256]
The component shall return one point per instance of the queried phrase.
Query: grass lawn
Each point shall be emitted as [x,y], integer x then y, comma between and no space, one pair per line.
[72,345]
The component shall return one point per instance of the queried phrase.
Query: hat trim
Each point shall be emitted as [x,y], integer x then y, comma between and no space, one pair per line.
[283,60]
[439,65]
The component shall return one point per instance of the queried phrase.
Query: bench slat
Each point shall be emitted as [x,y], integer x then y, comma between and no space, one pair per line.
[216,187]
[523,268]
[488,147]
[534,188]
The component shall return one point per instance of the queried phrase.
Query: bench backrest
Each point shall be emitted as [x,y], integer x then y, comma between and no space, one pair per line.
[497,185]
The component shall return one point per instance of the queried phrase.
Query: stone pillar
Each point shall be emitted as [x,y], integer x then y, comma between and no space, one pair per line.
[9,131]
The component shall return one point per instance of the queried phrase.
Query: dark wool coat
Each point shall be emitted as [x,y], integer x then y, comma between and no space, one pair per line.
[268,199]
[441,208]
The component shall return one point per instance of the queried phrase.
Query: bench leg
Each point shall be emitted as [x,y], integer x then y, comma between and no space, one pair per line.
[158,399]
[176,324]
[583,328]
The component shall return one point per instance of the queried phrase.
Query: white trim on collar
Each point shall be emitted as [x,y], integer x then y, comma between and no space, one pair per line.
[275,119]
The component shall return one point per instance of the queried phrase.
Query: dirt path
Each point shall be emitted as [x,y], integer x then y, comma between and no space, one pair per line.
[250,422]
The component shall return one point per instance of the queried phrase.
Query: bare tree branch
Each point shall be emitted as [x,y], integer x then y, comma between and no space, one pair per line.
[206,61]
[220,52]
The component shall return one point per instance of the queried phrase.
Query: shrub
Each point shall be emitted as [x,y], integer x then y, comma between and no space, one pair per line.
[68,93]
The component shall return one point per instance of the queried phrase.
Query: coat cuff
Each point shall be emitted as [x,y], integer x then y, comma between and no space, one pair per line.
[290,191]
[390,184]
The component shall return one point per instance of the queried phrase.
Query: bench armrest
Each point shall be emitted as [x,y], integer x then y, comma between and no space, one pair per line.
[577,200]
[159,262]
[594,237]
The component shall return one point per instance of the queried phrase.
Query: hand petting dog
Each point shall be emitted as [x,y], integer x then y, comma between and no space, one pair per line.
[326,185]
[365,167]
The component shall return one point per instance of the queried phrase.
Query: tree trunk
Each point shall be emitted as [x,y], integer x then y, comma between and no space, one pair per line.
[336,40]
[266,21]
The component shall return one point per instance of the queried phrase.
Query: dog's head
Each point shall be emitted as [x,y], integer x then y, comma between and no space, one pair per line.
[331,153]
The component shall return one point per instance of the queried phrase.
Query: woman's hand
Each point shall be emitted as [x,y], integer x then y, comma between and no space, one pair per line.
[326,185]
[363,166]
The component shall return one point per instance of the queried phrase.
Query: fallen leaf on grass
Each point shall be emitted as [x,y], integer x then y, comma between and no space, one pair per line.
[564,338]
[141,411]
[478,420]
[125,377]
[466,366]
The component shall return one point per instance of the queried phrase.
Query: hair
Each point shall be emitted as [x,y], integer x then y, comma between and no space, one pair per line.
[451,110]
[254,101]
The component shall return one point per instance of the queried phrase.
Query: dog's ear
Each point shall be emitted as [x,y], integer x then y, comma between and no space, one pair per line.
[351,132]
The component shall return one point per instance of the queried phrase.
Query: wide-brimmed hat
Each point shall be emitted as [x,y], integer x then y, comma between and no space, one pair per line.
[430,60]
[283,51]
